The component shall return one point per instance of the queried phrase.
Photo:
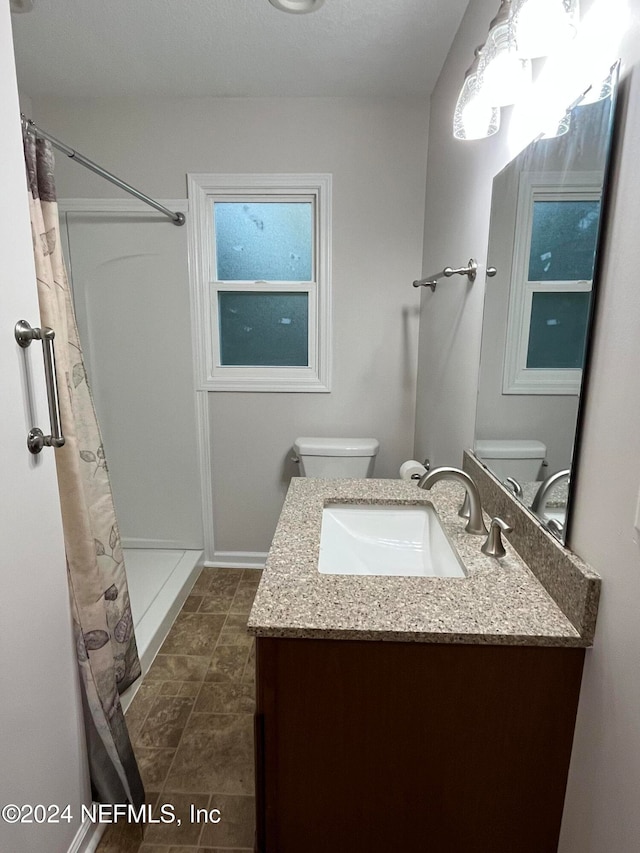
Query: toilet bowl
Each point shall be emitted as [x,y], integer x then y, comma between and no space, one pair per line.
[331,458]
[518,458]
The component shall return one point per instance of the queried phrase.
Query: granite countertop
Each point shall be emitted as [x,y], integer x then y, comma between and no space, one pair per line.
[498,602]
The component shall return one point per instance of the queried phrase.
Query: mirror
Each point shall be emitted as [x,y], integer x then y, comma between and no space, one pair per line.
[543,241]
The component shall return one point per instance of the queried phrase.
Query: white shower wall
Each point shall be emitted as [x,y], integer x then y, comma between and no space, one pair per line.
[131,294]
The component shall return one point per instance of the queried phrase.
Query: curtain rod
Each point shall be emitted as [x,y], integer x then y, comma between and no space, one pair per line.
[176,217]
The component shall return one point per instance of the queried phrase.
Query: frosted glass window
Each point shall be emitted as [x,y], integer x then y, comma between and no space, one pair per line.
[264,241]
[563,240]
[558,329]
[264,329]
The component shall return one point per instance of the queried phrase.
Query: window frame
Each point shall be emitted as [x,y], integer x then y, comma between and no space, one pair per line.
[517,378]
[204,190]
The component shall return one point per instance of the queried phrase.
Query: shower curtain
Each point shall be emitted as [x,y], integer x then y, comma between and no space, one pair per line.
[105,641]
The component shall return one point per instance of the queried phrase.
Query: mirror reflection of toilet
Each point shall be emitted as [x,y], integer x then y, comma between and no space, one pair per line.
[520,459]
[332,458]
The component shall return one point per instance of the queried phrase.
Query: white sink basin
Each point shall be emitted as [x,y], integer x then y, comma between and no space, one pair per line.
[359,539]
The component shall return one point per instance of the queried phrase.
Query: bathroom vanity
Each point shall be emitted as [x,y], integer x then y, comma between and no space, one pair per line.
[413,713]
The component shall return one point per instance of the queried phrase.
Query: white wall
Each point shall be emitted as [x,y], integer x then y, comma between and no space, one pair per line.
[376,151]
[601,813]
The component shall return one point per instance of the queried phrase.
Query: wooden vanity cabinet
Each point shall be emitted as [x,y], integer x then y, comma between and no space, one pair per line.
[394,747]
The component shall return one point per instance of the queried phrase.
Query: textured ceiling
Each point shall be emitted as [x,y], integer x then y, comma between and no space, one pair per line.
[94,48]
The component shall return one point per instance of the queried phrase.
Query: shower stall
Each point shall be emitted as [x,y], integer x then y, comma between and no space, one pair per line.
[128,271]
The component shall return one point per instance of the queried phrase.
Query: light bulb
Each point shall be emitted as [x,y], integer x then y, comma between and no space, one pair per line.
[474,118]
[503,76]
[541,27]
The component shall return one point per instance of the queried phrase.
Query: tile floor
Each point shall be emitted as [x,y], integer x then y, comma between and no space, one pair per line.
[191,724]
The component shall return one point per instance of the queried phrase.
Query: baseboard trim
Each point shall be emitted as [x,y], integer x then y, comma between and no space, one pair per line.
[237,560]
[160,544]
[87,837]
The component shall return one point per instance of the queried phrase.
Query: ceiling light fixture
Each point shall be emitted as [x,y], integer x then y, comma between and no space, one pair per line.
[503,75]
[474,118]
[297,7]
[541,27]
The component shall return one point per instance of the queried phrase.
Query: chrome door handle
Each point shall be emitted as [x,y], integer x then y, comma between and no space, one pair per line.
[24,334]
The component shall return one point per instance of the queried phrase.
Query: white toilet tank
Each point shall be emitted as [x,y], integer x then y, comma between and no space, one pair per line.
[513,457]
[331,458]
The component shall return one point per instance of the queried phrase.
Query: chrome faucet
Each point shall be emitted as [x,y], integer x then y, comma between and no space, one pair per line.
[540,500]
[475,524]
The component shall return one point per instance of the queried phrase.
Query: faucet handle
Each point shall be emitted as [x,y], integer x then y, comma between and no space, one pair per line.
[516,488]
[465,509]
[554,526]
[493,546]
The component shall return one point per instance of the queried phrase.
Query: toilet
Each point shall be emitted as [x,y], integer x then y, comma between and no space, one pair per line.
[331,458]
[512,457]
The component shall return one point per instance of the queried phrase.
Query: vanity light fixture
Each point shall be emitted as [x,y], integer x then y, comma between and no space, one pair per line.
[297,7]
[503,74]
[473,117]
[541,27]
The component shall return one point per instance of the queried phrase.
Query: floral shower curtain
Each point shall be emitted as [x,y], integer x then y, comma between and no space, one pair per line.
[105,641]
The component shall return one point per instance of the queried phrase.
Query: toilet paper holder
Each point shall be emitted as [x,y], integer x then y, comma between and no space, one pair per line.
[427,465]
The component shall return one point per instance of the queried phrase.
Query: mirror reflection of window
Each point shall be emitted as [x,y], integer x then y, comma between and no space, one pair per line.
[563,240]
[556,231]
[562,251]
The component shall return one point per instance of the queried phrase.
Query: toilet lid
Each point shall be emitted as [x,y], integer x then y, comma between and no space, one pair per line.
[316,446]
[510,448]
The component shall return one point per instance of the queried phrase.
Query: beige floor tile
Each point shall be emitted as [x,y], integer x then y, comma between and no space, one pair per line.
[226,698]
[178,668]
[218,601]
[154,764]
[193,634]
[243,600]
[183,831]
[215,754]
[121,837]
[236,622]
[165,722]
[192,604]
[170,688]
[234,631]
[179,688]
[252,576]
[249,673]
[237,822]
[214,580]
[140,706]
[227,664]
